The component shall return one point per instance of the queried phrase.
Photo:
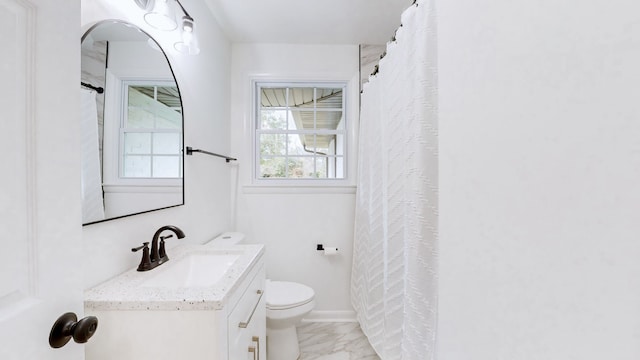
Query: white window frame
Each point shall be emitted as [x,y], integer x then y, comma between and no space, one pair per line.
[345,133]
[112,181]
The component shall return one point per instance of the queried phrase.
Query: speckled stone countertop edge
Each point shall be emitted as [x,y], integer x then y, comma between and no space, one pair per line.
[123,292]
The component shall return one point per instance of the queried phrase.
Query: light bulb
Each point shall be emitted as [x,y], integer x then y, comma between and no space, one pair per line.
[189,43]
[161,16]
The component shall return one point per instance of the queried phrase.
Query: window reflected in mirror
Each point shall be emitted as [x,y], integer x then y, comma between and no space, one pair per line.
[151,133]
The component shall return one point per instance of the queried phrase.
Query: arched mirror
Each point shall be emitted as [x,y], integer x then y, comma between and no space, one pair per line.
[132,125]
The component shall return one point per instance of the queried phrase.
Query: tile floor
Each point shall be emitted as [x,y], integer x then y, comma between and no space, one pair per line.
[334,341]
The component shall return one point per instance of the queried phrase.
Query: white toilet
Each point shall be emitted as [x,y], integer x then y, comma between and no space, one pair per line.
[287,303]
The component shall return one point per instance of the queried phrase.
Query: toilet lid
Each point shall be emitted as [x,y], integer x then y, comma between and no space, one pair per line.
[282,295]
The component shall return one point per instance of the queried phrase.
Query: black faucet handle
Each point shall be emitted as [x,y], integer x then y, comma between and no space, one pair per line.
[145,263]
[144,245]
[161,251]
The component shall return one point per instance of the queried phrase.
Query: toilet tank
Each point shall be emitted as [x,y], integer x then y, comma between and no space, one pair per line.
[227,239]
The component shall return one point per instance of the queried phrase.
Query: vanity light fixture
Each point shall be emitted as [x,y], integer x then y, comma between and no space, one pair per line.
[160,15]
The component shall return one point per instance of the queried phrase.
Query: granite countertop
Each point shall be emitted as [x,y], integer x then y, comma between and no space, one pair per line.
[124,292]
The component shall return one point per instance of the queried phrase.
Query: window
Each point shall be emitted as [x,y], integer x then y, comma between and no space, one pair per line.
[151,131]
[300,131]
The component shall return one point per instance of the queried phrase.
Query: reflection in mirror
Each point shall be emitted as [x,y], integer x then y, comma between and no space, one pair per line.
[132,133]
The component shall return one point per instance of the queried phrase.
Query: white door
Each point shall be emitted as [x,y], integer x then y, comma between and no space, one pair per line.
[40,238]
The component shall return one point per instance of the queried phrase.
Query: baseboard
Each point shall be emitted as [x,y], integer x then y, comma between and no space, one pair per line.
[331,316]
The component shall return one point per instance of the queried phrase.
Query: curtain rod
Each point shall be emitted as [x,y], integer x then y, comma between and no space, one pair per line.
[98,89]
[191,150]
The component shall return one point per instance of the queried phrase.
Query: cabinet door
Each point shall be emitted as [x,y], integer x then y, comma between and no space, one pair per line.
[246,323]
[243,347]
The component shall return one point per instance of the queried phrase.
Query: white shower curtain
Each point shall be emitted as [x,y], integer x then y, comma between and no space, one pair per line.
[394,278]
[92,202]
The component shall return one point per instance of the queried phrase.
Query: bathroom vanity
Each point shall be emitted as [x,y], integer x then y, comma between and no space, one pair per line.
[206,303]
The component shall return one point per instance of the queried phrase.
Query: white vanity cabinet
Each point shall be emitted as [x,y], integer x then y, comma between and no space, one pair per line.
[230,324]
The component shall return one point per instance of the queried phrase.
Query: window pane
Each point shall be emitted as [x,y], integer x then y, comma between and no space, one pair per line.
[273,97]
[273,119]
[328,120]
[301,97]
[339,145]
[321,167]
[139,94]
[273,167]
[168,96]
[154,107]
[338,168]
[301,167]
[331,167]
[330,144]
[141,112]
[168,118]
[137,166]
[137,143]
[166,167]
[166,143]
[139,118]
[273,144]
[341,123]
[328,98]
[302,119]
[296,144]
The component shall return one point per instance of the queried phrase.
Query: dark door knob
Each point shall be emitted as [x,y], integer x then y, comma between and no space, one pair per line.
[67,326]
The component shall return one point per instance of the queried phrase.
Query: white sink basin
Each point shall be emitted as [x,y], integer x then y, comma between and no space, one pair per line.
[198,277]
[197,269]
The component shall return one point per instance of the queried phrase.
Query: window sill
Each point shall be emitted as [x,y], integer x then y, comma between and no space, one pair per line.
[299,189]
[142,189]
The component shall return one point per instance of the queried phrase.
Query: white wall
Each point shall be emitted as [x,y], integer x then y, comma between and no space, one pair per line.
[290,222]
[540,180]
[204,86]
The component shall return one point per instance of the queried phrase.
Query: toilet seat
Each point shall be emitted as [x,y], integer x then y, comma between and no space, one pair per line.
[282,295]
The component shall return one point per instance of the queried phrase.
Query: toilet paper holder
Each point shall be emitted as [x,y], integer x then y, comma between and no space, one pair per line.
[320,247]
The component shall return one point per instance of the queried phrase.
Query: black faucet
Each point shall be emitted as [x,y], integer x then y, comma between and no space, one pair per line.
[158,255]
